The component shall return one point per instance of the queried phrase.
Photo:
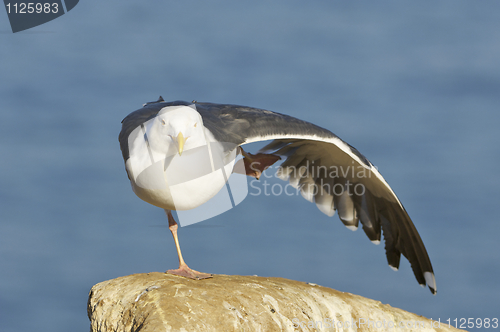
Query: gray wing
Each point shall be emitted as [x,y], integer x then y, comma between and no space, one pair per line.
[320,163]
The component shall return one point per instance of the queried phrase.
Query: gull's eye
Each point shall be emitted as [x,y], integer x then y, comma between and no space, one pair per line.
[162,122]
[195,124]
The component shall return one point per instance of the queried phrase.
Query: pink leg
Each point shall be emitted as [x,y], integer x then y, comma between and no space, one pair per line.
[183,270]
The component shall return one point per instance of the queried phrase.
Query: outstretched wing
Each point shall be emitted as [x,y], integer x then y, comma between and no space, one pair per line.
[331,173]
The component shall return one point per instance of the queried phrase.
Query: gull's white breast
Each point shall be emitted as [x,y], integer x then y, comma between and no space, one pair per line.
[178,182]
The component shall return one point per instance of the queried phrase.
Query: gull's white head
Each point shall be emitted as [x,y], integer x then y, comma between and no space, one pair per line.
[179,127]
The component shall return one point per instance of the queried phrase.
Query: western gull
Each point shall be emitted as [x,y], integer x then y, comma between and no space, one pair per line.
[172,151]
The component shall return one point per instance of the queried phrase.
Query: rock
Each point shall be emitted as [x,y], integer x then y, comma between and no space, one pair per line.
[162,302]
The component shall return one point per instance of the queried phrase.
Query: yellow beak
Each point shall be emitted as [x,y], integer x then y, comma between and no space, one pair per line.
[180,140]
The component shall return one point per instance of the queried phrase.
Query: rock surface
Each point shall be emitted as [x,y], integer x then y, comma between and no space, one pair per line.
[162,302]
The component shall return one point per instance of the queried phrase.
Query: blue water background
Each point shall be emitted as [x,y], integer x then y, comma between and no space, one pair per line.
[414,86]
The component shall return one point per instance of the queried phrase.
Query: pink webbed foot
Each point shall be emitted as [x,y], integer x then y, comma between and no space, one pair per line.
[186,272]
[256,164]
